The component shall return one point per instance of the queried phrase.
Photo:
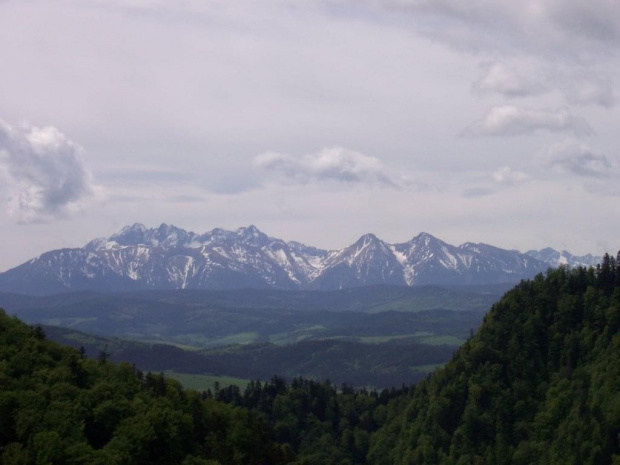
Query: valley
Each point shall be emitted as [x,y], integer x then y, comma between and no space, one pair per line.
[379,336]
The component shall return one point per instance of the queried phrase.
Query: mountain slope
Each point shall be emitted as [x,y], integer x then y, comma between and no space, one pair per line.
[555,258]
[167,257]
[367,261]
[539,382]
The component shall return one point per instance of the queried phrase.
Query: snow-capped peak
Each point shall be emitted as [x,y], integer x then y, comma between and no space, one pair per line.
[252,235]
[425,238]
[136,228]
[170,257]
[96,244]
[555,258]
[368,240]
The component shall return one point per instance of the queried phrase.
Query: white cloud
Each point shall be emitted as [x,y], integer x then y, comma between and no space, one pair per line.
[498,78]
[330,164]
[486,183]
[511,120]
[43,175]
[508,177]
[573,157]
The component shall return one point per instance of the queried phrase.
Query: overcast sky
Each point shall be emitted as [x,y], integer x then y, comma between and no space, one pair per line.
[318,121]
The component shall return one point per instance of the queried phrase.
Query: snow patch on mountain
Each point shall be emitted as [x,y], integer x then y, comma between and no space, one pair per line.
[168,257]
[556,258]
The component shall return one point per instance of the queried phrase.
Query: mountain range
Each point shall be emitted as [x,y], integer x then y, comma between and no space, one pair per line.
[169,257]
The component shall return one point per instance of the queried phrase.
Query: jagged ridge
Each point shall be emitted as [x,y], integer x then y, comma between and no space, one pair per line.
[169,257]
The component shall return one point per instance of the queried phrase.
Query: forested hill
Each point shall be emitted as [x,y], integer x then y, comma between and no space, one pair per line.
[539,382]
[57,407]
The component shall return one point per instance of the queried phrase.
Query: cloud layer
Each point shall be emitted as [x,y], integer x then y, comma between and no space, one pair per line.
[336,164]
[498,78]
[511,120]
[573,157]
[42,173]
[576,41]
[575,28]
[174,99]
[590,91]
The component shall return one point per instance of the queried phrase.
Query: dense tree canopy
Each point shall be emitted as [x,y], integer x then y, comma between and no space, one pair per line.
[539,382]
[58,407]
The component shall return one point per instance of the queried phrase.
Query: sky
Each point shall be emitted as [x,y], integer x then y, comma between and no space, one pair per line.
[318,121]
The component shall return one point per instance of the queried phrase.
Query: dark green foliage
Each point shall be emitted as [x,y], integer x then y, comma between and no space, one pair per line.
[57,407]
[539,382]
[377,365]
[320,423]
[386,364]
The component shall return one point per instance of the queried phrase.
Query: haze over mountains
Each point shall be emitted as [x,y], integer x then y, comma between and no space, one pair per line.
[168,257]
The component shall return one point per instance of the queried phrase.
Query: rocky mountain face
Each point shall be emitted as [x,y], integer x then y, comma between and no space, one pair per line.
[555,258]
[171,258]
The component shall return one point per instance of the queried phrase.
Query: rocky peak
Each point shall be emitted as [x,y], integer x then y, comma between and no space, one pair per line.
[130,235]
[252,236]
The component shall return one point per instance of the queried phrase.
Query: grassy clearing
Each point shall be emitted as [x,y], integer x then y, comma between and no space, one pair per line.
[238,338]
[380,339]
[442,340]
[435,299]
[168,342]
[204,382]
[67,322]
[297,335]
[426,368]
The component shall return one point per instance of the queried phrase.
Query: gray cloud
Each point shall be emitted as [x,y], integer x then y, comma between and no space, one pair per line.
[579,87]
[42,173]
[574,157]
[473,192]
[145,175]
[573,28]
[590,91]
[330,164]
[592,20]
[498,78]
[511,120]
[218,181]
[186,199]
[491,183]
[582,36]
